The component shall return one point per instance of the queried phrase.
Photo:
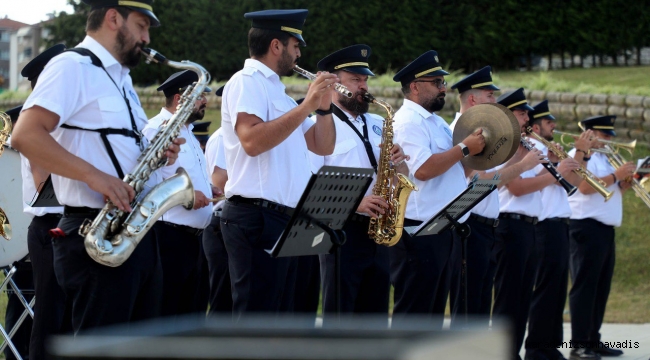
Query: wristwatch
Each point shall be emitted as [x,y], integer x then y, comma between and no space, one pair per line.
[464,149]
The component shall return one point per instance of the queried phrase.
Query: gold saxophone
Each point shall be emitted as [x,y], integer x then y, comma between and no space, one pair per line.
[5,227]
[585,174]
[394,188]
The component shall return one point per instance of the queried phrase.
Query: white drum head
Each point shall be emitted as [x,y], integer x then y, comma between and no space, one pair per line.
[11,202]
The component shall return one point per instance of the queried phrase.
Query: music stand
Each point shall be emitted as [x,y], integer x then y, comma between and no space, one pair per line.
[332,195]
[476,191]
[8,281]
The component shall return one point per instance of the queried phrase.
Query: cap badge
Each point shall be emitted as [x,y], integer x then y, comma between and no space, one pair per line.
[436,57]
[364,52]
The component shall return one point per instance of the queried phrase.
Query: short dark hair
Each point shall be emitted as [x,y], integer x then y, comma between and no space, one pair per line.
[96,17]
[406,88]
[260,39]
[169,101]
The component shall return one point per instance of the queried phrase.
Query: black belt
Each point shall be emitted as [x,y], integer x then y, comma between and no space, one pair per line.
[484,220]
[80,211]
[188,229]
[559,219]
[51,216]
[359,218]
[529,219]
[282,209]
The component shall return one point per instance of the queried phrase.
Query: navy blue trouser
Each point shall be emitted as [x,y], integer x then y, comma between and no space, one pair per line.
[258,280]
[220,299]
[516,267]
[179,256]
[103,295]
[306,290]
[421,270]
[52,313]
[365,280]
[549,296]
[480,275]
[593,254]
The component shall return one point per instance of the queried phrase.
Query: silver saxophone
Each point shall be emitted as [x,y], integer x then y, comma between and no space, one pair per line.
[113,235]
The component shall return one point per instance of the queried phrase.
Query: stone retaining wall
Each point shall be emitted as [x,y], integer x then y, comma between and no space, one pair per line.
[632,111]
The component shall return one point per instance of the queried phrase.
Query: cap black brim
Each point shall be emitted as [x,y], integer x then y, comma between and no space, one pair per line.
[299,37]
[154,22]
[362,70]
[523,107]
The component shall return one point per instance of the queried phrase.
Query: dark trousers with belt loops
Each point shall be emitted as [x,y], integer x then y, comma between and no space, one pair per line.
[421,271]
[103,295]
[304,284]
[480,275]
[516,266]
[549,296]
[365,280]
[220,299]
[593,254]
[179,255]
[52,313]
[258,280]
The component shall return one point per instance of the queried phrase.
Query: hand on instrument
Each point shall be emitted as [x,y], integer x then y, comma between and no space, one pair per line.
[624,185]
[568,165]
[551,155]
[625,172]
[475,142]
[114,189]
[200,200]
[216,192]
[319,94]
[532,159]
[586,141]
[397,155]
[372,205]
[172,151]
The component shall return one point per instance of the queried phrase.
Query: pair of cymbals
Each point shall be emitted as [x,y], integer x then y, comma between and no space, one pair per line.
[501,131]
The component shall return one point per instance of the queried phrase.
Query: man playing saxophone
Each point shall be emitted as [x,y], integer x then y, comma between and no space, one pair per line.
[592,246]
[365,281]
[85,100]
[179,230]
[422,267]
[267,136]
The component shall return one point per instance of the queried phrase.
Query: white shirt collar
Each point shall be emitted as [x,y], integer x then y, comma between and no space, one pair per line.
[411,105]
[265,70]
[358,118]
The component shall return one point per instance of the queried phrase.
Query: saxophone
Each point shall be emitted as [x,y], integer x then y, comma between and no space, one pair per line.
[6,130]
[394,188]
[113,235]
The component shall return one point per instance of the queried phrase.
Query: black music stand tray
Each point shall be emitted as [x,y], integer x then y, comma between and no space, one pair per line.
[330,198]
[476,191]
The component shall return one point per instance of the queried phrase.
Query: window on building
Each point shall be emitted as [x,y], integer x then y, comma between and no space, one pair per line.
[4,54]
[5,36]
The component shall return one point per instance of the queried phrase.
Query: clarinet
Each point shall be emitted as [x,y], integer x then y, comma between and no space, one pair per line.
[570,189]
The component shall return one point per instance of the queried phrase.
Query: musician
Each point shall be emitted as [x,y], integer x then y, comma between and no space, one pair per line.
[592,246]
[520,208]
[267,136]
[365,282]
[51,312]
[474,89]
[220,298]
[545,333]
[422,267]
[179,230]
[78,98]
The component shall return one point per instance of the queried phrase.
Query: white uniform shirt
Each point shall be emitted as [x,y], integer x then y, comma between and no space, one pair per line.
[349,150]
[555,201]
[216,157]
[422,134]
[529,204]
[594,206]
[191,159]
[281,173]
[488,207]
[82,95]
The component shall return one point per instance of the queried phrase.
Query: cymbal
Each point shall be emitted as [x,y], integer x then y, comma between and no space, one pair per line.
[500,129]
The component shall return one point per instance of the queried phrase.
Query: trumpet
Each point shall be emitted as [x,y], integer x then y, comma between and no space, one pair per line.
[338,87]
[640,188]
[613,145]
[585,174]
[570,189]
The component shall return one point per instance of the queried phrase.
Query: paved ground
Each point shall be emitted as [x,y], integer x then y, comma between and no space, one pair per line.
[634,334]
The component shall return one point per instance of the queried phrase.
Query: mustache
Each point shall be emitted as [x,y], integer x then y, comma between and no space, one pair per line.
[442,95]
[297,60]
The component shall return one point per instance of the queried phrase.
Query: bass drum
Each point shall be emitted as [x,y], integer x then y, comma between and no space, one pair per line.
[11,203]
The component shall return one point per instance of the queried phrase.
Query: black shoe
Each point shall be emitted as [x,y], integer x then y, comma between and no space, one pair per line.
[605,351]
[583,353]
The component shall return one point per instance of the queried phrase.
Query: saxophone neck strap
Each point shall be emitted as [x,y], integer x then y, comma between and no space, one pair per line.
[364,137]
[97,62]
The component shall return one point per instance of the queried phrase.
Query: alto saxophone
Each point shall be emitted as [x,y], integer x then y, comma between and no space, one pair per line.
[393,187]
[111,238]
